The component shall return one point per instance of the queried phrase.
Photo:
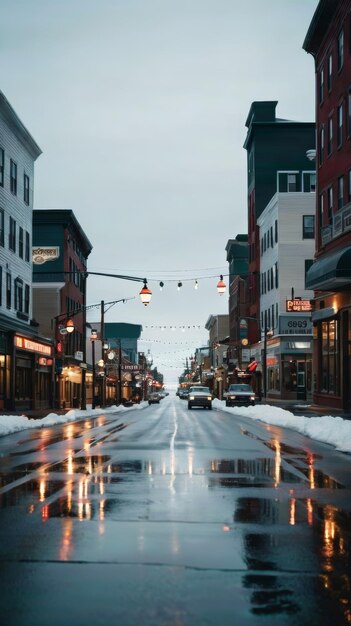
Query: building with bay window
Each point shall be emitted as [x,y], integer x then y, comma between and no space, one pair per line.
[328,40]
[26,358]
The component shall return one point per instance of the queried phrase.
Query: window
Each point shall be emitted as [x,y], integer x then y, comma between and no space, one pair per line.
[340,192]
[330,71]
[340,123]
[26,189]
[19,294]
[321,145]
[340,50]
[321,210]
[276,275]
[20,242]
[12,235]
[272,244]
[330,204]
[26,299]
[2,166]
[330,135]
[13,177]
[2,227]
[292,182]
[27,255]
[308,263]
[329,342]
[308,227]
[321,86]
[271,272]
[8,290]
[312,182]
[276,231]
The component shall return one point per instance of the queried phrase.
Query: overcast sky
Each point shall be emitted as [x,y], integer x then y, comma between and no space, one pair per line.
[139,107]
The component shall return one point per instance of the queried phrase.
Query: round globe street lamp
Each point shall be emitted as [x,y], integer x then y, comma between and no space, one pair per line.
[145,294]
[221,286]
[69,326]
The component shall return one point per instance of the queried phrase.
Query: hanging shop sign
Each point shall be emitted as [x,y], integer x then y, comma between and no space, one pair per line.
[42,360]
[44,254]
[298,306]
[130,368]
[32,346]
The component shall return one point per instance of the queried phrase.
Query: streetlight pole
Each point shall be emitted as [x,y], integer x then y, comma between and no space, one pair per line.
[93,338]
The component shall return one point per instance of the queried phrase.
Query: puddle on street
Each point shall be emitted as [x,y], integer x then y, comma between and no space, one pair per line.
[34,490]
[81,464]
[257,470]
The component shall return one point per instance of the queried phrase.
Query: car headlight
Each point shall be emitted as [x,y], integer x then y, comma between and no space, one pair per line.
[252,397]
[209,397]
[232,397]
[191,397]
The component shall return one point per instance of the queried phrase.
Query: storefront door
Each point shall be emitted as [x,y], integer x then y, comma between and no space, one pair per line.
[301,380]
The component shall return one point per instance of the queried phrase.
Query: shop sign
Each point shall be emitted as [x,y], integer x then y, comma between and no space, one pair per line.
[298,306]
[130,368]
[44,254]
[44,361]
[291,325]
[32,346]
[243,328]
[78,355]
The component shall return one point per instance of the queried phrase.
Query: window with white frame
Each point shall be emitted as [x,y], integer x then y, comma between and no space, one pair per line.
[340,50]
[13,177]
[8,289]
[321,86]
[330,204]
[292,182]
[20,242]
[19,295]
[308,226]
[27,250]
[340,192]
[12,234]
[321,144]
[26,188]
[340,123]
[330,135]
[26,299]
[330,71]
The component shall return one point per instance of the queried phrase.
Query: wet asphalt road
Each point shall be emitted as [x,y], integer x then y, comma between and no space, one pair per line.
[165,516]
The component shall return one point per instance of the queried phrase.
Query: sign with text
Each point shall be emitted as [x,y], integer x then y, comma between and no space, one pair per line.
[298,306]
[291,325]
[32,346]
[43,254]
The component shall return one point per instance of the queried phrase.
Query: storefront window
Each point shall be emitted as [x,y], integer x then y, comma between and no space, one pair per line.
[330,357]
[289,375]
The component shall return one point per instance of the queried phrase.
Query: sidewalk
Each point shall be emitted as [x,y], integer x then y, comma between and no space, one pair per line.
[303,407]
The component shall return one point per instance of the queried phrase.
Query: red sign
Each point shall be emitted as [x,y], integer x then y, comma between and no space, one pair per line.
[298,306]
[32,346]
[43,361]
[252,367]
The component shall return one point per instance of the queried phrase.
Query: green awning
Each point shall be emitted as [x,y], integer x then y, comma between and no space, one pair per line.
[330,271]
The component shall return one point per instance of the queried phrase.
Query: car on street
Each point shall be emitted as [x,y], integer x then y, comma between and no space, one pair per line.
[183,393]
[154,398]
[239,394]
[200,396]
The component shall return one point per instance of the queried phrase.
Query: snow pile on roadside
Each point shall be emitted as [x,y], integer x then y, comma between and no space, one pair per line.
[330,429]
[13,423]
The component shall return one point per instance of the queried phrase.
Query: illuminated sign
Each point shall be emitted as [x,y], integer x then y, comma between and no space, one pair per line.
[298,306]
[32,346]
[47,253]
[42,360]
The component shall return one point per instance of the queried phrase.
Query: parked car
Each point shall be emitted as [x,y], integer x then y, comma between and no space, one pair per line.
[183,393]
[200,396]
[154,398]
[239,394]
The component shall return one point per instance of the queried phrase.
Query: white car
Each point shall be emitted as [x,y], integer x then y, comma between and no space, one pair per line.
[200,396]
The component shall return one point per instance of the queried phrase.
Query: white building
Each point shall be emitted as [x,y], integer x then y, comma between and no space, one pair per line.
[26,362]
[287,250]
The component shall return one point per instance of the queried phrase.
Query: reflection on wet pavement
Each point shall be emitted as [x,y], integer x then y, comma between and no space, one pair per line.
[270,507]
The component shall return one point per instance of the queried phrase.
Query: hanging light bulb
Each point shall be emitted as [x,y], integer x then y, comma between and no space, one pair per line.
[145,294]
[196,286]
[161,285]
[70,326]
[179,285]
[221,286]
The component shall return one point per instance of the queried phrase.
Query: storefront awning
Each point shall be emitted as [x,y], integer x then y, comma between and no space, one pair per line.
[330,271]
